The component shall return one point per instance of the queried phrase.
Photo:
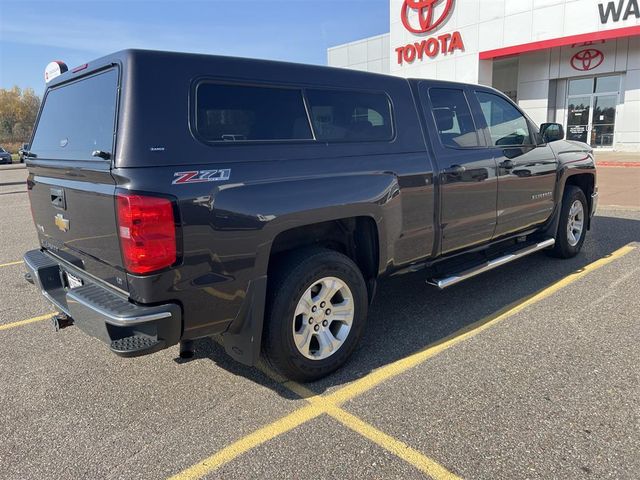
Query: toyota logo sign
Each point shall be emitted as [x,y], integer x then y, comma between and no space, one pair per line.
[587,59]
[426,14]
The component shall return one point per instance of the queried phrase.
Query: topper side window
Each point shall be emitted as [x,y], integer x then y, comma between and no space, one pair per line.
[246,113]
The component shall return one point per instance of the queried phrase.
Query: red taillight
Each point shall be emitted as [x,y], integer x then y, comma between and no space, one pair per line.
[147,232]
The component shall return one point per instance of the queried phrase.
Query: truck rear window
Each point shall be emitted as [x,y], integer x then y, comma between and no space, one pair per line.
[78,119]
[237,113]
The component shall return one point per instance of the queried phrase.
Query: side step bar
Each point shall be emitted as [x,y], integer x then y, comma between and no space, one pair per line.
[445,282]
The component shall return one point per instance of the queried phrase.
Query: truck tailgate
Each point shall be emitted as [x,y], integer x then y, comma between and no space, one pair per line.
[71,189]
[76,220]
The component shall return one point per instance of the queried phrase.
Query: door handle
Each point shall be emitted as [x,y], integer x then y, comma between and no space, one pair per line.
[454,170]
[507,165]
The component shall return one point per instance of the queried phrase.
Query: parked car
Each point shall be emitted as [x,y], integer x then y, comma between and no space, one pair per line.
[263,200]
[5,157]
[23,152]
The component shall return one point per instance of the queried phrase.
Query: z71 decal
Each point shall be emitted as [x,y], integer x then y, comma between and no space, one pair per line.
[201,176]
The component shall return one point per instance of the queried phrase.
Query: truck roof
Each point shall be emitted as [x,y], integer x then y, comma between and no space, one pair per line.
[210,65]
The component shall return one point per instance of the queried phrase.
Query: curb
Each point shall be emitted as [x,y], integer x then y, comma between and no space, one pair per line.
[617,164]
[13,166]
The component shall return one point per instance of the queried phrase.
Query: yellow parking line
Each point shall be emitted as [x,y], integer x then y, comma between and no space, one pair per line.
[394,369]
[260,436]
[27,321]
[393,445]
[330,404]
[10,263]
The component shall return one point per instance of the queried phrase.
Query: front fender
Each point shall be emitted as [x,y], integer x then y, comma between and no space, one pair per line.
[574,158]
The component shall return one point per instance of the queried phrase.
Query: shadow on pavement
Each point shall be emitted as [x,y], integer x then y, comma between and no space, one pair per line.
[407,315]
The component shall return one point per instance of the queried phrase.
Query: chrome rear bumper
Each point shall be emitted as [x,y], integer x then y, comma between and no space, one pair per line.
[101,312]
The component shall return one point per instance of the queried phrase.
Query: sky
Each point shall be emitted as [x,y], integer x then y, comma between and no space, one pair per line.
[33,33]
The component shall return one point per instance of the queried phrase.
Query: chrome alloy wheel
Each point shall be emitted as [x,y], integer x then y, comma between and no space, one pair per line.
[323,318]
[575,224]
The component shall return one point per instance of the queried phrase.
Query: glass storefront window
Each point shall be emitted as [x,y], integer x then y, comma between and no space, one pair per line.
[607,84]
[604,110]
[581,86]
[578,118]
[602,136]
[591,110]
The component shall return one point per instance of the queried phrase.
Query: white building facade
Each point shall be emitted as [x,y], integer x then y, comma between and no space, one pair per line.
[575,62]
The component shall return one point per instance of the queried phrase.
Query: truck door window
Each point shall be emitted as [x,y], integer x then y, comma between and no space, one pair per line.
[453,118]
[237,113]
[506,124]
[340,116]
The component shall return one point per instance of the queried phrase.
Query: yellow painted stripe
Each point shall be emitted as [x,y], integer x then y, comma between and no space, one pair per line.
[249,442]
[393,445]
[27,321]
[396,368]
[10,263]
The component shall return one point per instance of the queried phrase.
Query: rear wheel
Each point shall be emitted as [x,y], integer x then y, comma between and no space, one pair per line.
[316,311]
[572,227]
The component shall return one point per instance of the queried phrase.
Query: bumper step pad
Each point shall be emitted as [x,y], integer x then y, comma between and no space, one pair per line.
[136,345]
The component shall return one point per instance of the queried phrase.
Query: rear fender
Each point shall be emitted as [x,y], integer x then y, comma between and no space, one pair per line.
[275,207]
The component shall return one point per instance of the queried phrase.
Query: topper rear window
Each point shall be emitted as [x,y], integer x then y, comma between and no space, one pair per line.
[241,113]
[78,119]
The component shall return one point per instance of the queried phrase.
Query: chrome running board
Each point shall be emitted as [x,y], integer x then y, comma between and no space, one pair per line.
[445,282]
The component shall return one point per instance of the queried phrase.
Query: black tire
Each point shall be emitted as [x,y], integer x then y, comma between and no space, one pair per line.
[563,247]
[292,276]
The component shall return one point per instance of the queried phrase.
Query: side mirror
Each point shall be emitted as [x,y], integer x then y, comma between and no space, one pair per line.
[551,132]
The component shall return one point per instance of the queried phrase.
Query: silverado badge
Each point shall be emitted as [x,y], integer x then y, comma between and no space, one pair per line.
[61,222]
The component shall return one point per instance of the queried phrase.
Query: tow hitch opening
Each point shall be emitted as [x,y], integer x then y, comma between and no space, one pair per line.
[61,320]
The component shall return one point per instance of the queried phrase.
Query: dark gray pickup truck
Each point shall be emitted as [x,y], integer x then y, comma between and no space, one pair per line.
[180,196]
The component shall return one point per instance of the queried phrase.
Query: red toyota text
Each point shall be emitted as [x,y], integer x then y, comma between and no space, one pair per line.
[431,47]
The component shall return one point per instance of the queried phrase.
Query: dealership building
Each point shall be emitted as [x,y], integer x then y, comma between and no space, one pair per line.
[575,62]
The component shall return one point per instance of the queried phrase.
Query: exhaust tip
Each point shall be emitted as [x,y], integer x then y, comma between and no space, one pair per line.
[29,278]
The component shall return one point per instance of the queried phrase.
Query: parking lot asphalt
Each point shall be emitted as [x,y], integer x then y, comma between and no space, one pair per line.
[528,371]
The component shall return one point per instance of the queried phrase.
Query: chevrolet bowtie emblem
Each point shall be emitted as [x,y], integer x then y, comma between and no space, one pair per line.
[61,222]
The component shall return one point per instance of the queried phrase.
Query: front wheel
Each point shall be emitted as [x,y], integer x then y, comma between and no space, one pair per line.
[316,311]
[572,227]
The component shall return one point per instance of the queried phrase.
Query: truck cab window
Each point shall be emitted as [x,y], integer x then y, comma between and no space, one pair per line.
[506,124]
[453,118]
